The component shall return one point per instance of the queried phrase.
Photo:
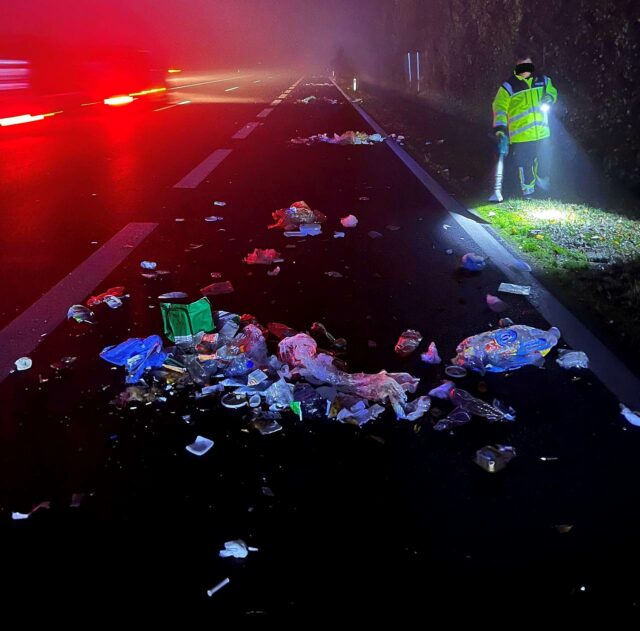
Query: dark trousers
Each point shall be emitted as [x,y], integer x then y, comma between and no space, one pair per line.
[531,161]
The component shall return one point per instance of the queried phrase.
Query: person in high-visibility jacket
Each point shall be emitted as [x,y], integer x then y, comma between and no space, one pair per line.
[520,117]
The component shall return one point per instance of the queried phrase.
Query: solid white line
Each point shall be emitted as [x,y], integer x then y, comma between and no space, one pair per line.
[195,177]
[265,112]
[276,102]
[243,132]
[232,89]
[21,336]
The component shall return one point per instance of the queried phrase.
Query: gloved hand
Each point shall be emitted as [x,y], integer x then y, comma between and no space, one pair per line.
[503,143]
[547,100]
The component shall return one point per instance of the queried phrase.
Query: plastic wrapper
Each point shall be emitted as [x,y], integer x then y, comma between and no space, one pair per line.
[296,349]
[572,359]
[431,356]
[506,349]
[408,342]
[136,354]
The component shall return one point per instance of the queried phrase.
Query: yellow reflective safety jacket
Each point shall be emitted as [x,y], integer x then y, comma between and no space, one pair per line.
[516,108]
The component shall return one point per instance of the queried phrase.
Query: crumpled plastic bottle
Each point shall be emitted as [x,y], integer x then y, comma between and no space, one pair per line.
[506,349]
[408,342]
[463,399]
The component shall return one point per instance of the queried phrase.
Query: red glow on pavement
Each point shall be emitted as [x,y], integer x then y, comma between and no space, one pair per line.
[116,101]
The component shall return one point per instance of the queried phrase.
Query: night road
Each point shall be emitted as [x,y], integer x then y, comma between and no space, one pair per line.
[391,518]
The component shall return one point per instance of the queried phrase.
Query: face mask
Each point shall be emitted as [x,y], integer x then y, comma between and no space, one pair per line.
[522,68]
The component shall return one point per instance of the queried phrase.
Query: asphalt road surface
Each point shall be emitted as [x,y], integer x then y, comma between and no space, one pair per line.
[389,519]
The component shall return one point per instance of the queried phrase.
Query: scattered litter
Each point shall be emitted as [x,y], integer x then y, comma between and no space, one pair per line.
[446,226]
[374,235]
[503,323]
[338,343]
[334,274]
[431,356]
[449,251]
[632,417]
[350,221]
[408,342]
[296,216]
[217,289]
[148,265]
[263,257]
[563,529]
[16,516]
[306,230]
[506,349]
[496,304]
[216,274]
[200,446]
[76,500]
[308,100]
[217,203]
[363,198]
[80,314]
[347,138]
[213,218]
[392,228]
[493,458]
[572,359]
[193,246]
[338,235]
[179,219]
[456,418]
[274,272]
[237,549]
[508,288]
[65,362]
[24,363]
[266,426]
[219,586]
[473,262]
[457,372]
[173,295]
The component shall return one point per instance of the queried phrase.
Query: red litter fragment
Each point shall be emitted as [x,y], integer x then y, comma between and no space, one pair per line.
[216,289]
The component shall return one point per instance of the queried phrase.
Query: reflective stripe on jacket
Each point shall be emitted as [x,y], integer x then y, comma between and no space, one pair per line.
[516,108]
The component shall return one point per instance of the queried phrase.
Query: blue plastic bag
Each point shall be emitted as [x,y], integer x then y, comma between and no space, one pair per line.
[136,354]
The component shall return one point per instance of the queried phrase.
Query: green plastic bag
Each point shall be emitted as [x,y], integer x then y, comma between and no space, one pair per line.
[182,322]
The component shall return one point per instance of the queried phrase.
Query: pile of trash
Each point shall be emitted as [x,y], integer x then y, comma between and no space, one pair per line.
[296,216]
[227,355]
[314,99]
[348,138]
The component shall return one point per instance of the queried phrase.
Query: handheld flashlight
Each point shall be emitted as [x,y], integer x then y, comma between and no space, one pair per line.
[545,107]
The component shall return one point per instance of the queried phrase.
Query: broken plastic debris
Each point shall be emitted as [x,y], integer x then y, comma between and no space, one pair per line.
[80,314]
[263,257]
[392,228]
[16,516]
[408,342]
[213,218]
[148,264]
[65,362]
[347,138]
[363,198]
[448,251]
[456,418]
[496,304]
[477,407]
[521,290]
[24,363]
[473,262]
[506,349]
[338,235]
[266,426]
[217,203]
[443,390]
[113,302]
[503,323]
[217,289]
[457,372]
[200,446]
[493,458]
[173,295]
[632,417]
[431,356]
[572,359]
[374,234]
[237,549]
[334,274]
[218,587]
[274,272]
[509,414]
[350,221]
[136,354]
